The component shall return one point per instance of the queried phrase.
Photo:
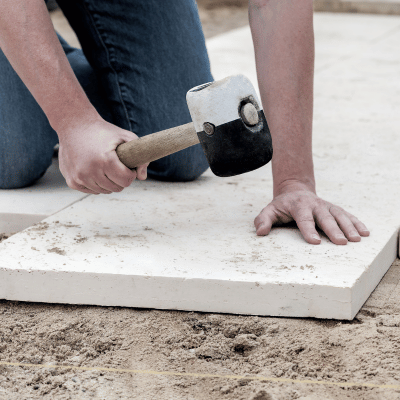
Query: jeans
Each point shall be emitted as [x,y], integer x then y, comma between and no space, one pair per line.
[138,60]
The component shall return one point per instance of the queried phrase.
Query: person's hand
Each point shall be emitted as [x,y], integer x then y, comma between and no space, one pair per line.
[300,204]
[88,160]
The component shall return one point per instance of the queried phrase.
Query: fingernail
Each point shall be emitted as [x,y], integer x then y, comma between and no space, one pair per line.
[316,237]
[340,237]
[354,234]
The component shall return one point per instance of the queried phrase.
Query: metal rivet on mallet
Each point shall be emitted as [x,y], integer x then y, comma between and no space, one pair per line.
[249,114]
[208,128]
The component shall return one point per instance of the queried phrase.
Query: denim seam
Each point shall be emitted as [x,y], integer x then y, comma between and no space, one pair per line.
[109,63]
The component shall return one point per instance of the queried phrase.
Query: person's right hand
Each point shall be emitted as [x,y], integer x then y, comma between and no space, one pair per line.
[88,160]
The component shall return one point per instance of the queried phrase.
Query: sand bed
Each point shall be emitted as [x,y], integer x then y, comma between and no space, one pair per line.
[365,350]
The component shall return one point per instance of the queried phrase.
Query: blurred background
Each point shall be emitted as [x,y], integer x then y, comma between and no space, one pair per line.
[219,16]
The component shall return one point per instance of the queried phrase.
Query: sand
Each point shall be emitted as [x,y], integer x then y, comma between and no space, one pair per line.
[365,350]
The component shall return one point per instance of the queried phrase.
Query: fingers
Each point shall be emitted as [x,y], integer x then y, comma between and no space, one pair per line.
[92,189]
[115,179]
[83,189]
[90,185]
[338,225]
[108,185]
[89,162]
[118,173]
[345,224]
[303,217]
[142,172]
[328,224]
[309,211]
[305,221]
[141,169]
[100,184]
[361,228]
[264,221]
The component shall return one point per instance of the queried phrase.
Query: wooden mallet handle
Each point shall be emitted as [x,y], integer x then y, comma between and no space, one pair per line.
[157,145]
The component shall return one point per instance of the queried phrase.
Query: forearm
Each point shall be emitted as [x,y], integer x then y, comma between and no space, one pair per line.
[284,45]
[28,40]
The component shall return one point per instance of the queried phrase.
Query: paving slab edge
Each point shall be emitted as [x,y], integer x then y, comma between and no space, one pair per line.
[371,277]
[261,299]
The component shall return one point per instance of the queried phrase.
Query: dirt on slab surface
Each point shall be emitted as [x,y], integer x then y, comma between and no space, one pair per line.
[365,350]
[3,236]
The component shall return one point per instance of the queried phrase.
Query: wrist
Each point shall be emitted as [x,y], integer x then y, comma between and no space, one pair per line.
[305,183]
[65,103]
[69,119]
[293,172]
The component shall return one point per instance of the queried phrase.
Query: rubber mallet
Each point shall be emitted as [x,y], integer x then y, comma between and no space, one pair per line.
[228,121]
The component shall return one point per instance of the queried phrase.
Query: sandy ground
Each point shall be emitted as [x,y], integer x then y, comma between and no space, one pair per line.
[365,350]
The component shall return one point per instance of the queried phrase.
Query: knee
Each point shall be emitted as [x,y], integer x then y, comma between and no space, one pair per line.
[184,166]
[186,173]
[21,170]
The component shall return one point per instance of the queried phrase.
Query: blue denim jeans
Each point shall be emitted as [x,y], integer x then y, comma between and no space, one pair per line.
[138,60]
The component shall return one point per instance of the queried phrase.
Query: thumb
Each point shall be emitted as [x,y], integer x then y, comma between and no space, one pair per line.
[128,136]
[264,221]
[140,169]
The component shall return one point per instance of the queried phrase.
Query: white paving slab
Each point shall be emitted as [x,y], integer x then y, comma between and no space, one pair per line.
[192,246]
[21,208]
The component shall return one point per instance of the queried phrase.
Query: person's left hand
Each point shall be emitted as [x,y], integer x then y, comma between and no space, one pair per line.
[300,204]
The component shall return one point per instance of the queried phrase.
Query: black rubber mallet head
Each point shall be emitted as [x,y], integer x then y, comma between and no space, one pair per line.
[228,121]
